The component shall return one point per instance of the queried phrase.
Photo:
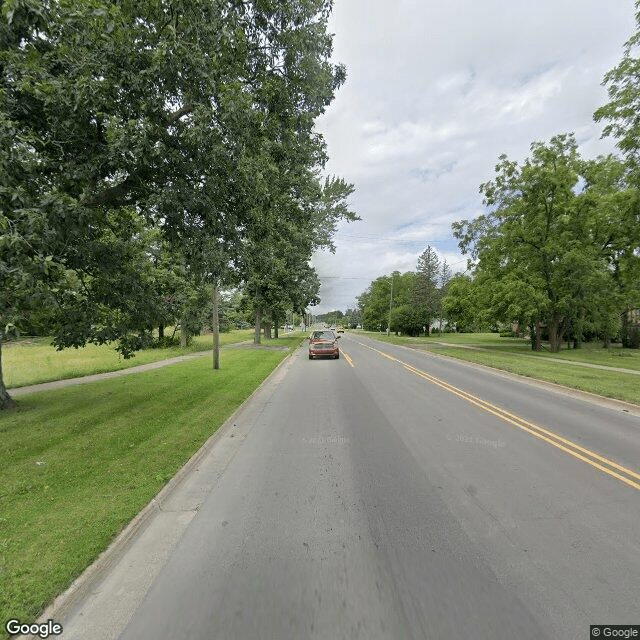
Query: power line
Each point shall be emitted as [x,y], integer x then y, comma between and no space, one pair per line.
[343,277]
[381,236]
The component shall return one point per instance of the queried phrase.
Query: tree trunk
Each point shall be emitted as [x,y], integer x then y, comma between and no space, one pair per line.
[624,331]
[606,341]
[536,336]
[6,401]
[556,331]
[216,327]
[256,337]
[267,326]
[183,335]
[160,332]
[578,331]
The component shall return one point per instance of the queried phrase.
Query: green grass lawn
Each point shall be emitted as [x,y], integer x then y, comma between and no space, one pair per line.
[34,360]
[79,463]
[514,355]
[291,340]
[476,339]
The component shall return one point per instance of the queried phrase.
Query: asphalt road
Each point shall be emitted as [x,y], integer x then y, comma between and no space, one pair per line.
[391,494]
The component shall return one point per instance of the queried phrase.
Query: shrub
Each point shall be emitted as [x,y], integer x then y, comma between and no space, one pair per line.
[169,341]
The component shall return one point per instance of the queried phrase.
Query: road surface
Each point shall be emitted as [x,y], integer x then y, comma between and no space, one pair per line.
[391,494]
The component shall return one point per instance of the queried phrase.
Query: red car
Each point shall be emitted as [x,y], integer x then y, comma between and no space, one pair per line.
[323,343]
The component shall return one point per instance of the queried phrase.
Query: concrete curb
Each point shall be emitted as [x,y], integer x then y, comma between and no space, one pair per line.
[63,604]
[594,398]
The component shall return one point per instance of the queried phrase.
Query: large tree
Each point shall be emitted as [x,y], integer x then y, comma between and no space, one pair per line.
[623,109]
[299,220]
[622,113]
[541,250]
[426,291]
[177,112]
[390,298]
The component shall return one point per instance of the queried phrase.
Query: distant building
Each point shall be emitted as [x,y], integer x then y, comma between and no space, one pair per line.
[633,317]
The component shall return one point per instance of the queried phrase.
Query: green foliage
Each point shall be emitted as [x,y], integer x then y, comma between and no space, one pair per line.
[148,150]
[460,304]
[277,273]
[551,248]
[623,87]
[375,303]
[426,291]
[407,319]
[414,300]
[630,336]
[165,342]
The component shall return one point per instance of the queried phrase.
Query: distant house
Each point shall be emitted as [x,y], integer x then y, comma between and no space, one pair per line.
[633,317]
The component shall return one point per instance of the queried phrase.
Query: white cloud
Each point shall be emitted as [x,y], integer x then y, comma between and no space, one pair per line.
[435,93]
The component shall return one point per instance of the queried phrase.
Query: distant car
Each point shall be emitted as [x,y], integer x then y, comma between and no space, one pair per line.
[323,343]
[341,330]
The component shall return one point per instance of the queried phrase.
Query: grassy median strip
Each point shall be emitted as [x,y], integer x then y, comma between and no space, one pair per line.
[79,463]
[515,355]
[32,361]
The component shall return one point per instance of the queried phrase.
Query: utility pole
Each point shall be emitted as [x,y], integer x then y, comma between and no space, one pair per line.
[216,326]
[390,305]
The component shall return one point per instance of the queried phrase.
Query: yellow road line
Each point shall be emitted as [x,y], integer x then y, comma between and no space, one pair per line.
[347,357]
[539,432]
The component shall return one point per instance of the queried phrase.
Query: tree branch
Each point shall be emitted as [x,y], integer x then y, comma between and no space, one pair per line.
[118,194]
[182,111]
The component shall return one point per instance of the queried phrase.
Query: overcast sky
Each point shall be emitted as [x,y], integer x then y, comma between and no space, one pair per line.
[435,92]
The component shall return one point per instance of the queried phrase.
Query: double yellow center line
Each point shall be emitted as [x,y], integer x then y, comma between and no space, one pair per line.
[601,463]
[347,357]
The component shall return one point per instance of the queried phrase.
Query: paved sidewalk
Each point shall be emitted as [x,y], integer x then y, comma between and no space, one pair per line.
[69,382]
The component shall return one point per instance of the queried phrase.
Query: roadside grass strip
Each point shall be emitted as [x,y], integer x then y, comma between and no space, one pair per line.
[28,362]
[79,463]
[628,476]
[291,340]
